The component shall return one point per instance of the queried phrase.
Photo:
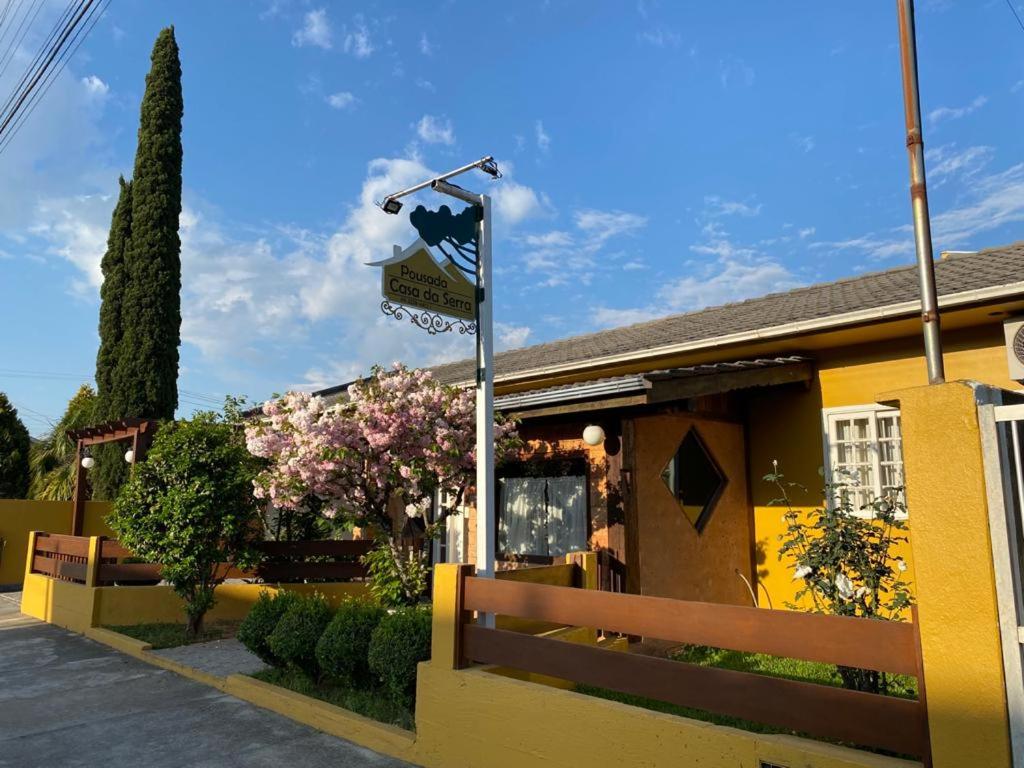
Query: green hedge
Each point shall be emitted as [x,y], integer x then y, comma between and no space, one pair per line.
[343,649]
[295,637]
[260,622]
[398,644]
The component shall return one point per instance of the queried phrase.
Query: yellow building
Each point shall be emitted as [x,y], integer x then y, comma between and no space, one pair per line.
[696,407]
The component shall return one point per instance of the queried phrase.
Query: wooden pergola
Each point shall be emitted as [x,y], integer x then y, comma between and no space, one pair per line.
[138,431]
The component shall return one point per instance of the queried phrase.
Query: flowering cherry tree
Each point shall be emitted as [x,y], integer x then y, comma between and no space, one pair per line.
[399,435]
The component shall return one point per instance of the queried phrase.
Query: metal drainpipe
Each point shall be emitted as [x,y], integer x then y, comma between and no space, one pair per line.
[919,195]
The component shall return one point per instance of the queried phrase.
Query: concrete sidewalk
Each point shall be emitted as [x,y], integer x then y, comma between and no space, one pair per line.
[68,701]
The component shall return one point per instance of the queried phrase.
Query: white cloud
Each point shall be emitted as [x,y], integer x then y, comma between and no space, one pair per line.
[806,232]
[985,202]
[357,40]
[633,266]
[553,239]
[95,87]
[436,130]
[715,206]
[341,100]
[543,140]
[608,317]
[660,37]
[955,113]
[946,162]
[76,229]
[315,30]
[426,85]
[514,203]
[511,336]
[1017,86]
[727,280]
[806,143]
[426,47]
[734,71]
[603,225]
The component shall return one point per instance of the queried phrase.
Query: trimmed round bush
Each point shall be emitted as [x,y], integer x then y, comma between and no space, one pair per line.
[398,644]
[255,629]
[295,637]
[344,647]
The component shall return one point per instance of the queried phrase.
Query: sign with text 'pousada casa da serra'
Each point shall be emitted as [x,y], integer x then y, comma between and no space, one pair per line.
[413,278]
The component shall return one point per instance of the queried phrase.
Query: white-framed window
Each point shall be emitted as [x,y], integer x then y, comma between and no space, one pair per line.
[864,442]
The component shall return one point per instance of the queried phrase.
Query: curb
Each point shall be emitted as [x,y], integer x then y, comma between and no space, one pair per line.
[335,721]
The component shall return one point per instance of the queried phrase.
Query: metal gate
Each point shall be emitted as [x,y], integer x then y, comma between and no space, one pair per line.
[1002,433]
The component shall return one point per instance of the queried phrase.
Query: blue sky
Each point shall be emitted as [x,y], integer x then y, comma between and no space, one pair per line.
[659,157]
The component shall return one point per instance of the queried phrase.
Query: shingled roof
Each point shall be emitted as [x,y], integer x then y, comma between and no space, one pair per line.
[956,274]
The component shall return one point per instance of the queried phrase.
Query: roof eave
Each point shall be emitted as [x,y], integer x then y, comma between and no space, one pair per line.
[888,312]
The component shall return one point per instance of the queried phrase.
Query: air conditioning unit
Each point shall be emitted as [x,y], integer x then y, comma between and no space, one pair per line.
[1014,332]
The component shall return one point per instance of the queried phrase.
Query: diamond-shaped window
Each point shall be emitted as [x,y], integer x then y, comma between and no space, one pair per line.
[694,479]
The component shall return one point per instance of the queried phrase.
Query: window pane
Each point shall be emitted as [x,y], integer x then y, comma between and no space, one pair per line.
[692,476]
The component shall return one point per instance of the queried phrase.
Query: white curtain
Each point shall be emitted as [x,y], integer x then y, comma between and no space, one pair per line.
[522,516]
[567,514]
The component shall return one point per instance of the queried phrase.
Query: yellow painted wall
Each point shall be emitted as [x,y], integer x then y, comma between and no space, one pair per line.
[957,606]
[19,516]
[517,723]
[140,605]
[784,423]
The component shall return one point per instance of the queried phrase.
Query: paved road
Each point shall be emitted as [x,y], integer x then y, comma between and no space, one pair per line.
[68,701]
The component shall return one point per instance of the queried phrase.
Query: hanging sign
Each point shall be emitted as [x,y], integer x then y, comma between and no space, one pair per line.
[412,279]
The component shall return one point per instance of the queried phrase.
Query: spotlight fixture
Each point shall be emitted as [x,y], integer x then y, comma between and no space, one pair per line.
[391,205]
[129,456]
[490,167]
[88,462]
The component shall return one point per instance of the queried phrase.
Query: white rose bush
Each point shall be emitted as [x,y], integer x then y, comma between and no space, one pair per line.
[846,558]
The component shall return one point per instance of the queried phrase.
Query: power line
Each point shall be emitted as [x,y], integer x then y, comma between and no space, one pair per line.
[94,16]
[39,54]
[46,66]
[1015,14]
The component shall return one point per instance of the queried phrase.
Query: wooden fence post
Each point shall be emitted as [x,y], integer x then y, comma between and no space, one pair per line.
[449,614]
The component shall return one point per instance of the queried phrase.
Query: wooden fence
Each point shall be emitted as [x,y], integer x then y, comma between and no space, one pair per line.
[67,558]
[61,557]
[854,717]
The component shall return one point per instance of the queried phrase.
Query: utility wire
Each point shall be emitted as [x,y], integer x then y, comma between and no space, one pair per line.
[50,65]
[38,57]
[94,16]
[1015,14]
[19,36]
[3,15]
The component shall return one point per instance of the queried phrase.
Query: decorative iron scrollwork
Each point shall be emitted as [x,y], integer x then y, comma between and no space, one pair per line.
[431,322]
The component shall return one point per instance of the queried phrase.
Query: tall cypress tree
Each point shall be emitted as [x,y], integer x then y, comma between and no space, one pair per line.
[110,470]
[145,378]
[111,299]
[140,315]
[14,448]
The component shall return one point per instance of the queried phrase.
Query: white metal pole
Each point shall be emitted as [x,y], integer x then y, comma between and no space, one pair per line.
[486,521]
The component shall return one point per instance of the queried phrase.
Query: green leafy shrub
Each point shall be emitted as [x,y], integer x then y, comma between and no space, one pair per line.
[397,577]
[398,644]
[344,647]
[255,630]
[294,638]
[190,507]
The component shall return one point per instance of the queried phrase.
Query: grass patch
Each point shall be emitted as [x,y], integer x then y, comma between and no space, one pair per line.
[171,635]
[757,663]
[375,704]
